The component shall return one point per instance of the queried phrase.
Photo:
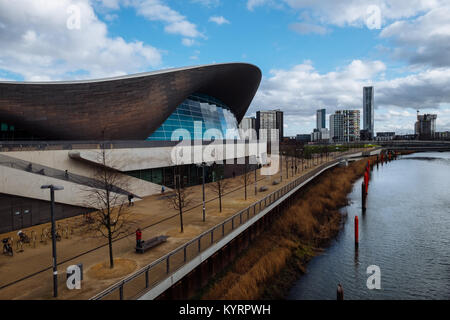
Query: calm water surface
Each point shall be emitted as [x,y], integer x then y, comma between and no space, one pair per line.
[405,231]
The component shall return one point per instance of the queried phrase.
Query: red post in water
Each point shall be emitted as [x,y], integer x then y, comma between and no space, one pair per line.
[366,180]
[356,231]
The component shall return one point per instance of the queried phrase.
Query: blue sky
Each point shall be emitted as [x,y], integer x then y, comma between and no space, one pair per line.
[313,54]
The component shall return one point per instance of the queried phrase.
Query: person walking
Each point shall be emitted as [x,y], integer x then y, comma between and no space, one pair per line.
[138,238]
[340,292]
[130,200]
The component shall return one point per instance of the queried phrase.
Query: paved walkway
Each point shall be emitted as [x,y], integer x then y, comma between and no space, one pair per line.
[154,215]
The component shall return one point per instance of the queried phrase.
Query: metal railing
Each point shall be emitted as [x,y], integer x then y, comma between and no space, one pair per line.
[151,275]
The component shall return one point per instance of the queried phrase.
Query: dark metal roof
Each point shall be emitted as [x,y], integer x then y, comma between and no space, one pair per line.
[127,107]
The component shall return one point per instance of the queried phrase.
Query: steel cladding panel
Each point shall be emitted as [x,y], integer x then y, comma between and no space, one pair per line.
[122,108]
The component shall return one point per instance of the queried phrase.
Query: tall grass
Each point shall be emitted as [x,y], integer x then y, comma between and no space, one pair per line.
[308,225]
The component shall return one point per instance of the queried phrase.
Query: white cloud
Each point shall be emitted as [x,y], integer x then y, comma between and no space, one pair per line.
[175,23]
[424,40]
[252,4]
[188,42]
[40,46]
[353,12]
[301,90]
[207,3]
[219,20]
[111,17]
[111,4]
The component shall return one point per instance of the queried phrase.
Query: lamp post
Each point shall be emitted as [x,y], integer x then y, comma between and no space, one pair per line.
[52,212]
[203,165]
[256,168]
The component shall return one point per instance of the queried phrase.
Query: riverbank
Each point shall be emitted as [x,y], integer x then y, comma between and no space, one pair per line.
[404,232]
[279,255]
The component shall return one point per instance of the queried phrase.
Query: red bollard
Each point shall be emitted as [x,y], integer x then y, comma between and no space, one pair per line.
[366,180]
[356,231]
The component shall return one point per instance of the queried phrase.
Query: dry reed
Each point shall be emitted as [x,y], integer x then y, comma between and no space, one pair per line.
[297,235]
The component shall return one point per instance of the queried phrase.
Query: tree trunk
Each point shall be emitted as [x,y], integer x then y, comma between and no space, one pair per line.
[220,199]
[181,219]
[108,222]
[181,210]
[111,259]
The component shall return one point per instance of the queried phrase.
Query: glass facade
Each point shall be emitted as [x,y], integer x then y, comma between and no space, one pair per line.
[192,175]
[199,117]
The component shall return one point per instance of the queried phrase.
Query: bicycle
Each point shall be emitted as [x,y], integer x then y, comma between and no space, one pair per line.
[7,248]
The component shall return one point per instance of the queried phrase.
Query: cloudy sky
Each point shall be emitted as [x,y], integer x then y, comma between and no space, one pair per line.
[313,54]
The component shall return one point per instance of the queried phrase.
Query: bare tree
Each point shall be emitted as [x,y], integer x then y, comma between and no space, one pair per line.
[245,178]
[180,197]
[219,184]
[107,195]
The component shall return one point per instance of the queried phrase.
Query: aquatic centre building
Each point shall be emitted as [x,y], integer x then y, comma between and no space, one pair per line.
[52,133]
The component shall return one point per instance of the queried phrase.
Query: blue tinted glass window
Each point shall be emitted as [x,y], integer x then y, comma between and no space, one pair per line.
[210,113]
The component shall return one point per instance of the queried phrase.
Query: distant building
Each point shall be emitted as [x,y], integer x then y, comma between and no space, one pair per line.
[267,121]
[247,128]
[344,126]
[368,111]
[444,135]
[405,137]
[385,136]
[320,135]
[305,138]
[425,126]
[320,119]
[364,135]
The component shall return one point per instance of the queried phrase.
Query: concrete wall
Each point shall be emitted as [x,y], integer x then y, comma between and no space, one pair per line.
[25,184]
[19,212]
[59,159]
[148,158]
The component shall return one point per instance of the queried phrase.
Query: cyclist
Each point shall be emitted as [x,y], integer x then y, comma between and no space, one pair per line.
[7,249]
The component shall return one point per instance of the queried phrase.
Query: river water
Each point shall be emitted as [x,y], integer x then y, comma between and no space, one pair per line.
[405,232]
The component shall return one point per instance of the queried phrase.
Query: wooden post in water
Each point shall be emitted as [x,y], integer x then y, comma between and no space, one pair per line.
[356,231]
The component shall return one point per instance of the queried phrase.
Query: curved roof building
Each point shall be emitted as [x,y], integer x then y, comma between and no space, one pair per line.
[135,107]
[202,102]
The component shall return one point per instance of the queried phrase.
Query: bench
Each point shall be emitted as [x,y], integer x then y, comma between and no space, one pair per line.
[148,244]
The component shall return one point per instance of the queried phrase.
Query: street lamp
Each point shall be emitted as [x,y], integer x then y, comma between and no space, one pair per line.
[52,212]
[203,165]
[256,168]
